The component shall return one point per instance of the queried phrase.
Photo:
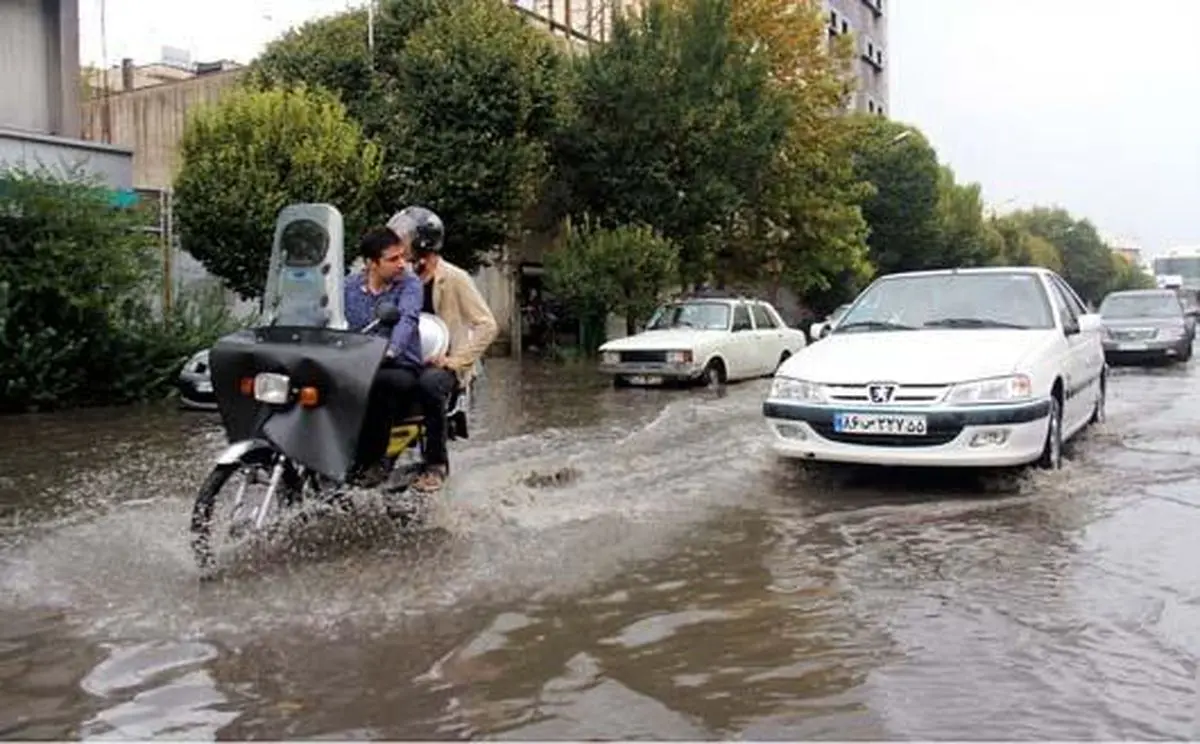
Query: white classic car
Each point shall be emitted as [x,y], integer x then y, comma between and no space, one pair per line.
[708,340]
[967,367]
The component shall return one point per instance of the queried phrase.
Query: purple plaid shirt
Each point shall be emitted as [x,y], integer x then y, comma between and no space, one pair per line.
[407,295]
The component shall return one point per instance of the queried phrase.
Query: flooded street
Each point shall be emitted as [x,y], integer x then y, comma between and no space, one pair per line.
[684,584]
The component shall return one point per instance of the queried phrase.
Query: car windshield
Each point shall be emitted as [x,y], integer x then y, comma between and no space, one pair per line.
[976,300]
[712,316]
[1156,305]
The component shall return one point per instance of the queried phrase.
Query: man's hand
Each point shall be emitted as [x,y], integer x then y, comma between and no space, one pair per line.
[442,361]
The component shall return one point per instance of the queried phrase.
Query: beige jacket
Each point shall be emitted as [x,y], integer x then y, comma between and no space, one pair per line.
[457,301]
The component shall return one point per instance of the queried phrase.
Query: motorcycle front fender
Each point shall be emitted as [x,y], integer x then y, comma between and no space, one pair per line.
[234,453]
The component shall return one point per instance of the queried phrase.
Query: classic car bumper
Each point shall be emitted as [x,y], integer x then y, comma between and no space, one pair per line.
[665,370]
[984,436]
[195,392]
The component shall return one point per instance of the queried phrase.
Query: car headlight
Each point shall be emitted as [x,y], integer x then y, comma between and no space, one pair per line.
[993,390]
[272,388]
[610,357]
[799,391]
[198,363]
[679,357]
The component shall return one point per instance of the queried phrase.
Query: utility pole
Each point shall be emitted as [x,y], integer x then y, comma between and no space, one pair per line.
[371,31]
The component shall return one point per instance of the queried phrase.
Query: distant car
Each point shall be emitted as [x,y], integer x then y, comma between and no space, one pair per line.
[195,384]
[821,329]
[987,367]
[1143,325]
[708,340]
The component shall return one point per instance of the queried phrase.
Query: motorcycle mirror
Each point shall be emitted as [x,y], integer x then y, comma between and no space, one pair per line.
[387,314]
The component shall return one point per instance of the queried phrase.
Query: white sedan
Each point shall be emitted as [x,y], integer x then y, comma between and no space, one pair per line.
[968,367]
[706,340]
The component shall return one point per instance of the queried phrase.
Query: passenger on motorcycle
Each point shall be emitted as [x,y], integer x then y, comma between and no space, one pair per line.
[451,294]
[387,276]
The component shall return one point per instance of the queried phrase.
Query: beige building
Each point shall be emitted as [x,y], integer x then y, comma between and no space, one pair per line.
[867,21]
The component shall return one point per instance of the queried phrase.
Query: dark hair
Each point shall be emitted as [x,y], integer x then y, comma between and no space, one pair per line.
[375,241]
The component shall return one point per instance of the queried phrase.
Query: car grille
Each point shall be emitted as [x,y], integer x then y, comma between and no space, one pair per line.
[643,356]
[1133,334]
[913,395]
[936,436]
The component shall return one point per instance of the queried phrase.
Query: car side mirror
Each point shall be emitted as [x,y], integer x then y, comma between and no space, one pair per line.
[1089,323]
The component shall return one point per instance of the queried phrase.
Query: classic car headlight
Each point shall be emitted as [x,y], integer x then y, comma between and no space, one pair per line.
[993,390]
[679,357]
[198,363]
[611,357]
[800,391]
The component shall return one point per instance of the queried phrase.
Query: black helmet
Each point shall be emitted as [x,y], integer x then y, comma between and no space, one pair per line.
[422,225]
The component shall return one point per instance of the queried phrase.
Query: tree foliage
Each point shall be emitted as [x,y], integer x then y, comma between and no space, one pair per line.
[77,326]
[462,95]
[251,154]
[621,270]
[675,127]
[482,92]
[804,228]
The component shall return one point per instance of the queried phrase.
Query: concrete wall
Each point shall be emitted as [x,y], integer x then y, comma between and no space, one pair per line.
[39,66]
[150,121]
[113,165]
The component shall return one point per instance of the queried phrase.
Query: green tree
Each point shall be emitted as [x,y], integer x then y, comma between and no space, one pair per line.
[251,154]
[1086,261]
[803,228]
[480,92]
[1127,275]
[676,126]
[1019,247]
[902,213]
[77,325]
[964,238]
[622,270]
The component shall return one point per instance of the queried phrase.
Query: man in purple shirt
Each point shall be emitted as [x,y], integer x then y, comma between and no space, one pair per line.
[386,277]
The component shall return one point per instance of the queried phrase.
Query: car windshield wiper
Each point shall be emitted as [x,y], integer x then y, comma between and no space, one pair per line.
[972,323]
[875,325]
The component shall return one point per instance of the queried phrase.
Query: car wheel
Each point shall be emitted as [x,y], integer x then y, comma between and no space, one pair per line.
[1051,458]
[1098,412]
[714,374]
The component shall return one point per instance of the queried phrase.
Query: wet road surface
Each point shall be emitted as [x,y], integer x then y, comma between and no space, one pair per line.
[684,585]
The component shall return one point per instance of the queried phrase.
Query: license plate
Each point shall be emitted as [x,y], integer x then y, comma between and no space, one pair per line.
[203,387]
[1132,346]
[880,423]
[646,380]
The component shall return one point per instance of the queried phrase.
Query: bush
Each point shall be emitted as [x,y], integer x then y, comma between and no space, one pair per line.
[76,320]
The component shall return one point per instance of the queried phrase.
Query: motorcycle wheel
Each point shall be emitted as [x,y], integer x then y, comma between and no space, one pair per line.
[256,463]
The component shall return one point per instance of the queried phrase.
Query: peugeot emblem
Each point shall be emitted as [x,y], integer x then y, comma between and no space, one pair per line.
[880,392]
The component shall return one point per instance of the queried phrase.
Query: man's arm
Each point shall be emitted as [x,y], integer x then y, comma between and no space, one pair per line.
[410,301]
[479,317]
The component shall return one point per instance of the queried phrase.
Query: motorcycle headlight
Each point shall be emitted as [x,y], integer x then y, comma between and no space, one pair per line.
[272,388]
[798,391]
[993,390]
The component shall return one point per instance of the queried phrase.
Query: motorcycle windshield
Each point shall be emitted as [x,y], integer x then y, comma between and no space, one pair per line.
[341,366]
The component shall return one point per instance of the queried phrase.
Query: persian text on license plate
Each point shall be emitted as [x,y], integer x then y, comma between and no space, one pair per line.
[204,387]
[646,380]
[880,423]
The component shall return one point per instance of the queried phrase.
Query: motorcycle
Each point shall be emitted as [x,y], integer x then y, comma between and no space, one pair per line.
[293,391]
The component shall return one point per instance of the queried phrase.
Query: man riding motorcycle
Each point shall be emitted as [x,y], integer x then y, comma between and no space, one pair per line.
[451,294]
[387,276]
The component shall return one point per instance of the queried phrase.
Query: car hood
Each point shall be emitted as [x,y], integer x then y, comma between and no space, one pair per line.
[667,339]
[915,357]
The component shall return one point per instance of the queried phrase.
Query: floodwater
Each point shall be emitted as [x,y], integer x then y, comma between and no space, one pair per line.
[682,585]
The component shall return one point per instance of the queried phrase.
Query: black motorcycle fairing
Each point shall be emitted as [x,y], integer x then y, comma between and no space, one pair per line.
[341,365]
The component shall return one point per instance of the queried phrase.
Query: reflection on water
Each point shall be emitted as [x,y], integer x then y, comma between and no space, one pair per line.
[683,585]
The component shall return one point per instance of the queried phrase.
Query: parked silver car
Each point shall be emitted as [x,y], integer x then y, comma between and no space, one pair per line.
[1143,325]
[195,384]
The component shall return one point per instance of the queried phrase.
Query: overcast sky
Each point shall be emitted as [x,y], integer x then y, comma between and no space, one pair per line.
[1090,104]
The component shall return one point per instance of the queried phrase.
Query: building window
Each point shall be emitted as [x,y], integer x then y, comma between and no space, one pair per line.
[870,106]
[845,26]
